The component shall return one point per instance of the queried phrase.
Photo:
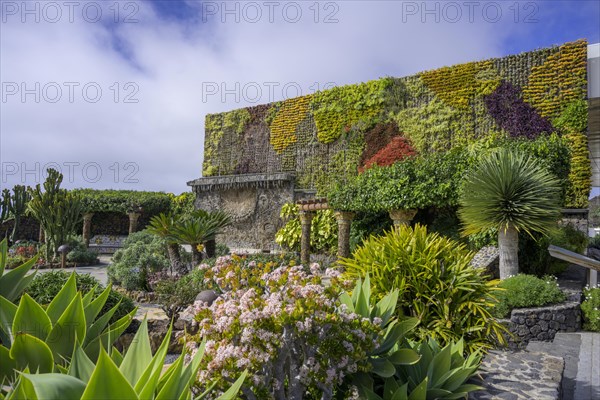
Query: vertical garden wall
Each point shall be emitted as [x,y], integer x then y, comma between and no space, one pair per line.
[331,135]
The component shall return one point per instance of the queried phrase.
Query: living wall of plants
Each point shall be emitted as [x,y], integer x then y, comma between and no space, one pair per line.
[330,136]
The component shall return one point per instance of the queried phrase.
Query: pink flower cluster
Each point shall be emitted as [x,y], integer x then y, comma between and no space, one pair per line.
[284,326]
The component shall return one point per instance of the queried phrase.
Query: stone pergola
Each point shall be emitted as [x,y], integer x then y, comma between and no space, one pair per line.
[133,215]
[308,209]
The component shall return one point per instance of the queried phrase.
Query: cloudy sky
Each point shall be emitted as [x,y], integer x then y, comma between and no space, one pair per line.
[114,93]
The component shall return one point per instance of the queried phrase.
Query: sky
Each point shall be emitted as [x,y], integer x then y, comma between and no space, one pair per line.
[114,93]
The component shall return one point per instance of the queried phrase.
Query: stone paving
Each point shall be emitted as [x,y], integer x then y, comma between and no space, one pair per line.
[521,375]
[581,352]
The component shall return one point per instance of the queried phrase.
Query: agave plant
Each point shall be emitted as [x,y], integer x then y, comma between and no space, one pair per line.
[16,280]
[510,192]
[391,352]
[42,339]
[135,375]
[440,373]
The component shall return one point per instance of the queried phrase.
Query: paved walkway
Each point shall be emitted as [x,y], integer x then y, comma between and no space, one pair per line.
[98,271]
[581,352]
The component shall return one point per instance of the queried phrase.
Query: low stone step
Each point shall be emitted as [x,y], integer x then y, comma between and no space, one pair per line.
[520,375]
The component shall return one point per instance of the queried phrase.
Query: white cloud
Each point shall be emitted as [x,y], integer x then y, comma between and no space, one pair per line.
[169,60]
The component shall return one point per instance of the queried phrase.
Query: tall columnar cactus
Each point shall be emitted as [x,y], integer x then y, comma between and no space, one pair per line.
[57,210]
[18,206]
[5,206]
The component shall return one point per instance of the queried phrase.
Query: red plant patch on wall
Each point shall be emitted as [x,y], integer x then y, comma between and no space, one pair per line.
[397,149]
[377,138]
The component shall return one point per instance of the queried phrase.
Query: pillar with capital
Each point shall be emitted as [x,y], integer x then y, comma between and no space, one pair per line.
[306,218]
[344,220]
[133,221]
[87,228]
[402,217]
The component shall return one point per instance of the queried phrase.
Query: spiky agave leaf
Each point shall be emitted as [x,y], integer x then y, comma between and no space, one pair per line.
[508,188]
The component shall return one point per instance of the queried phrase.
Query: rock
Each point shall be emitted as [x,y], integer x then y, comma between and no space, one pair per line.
[207,296]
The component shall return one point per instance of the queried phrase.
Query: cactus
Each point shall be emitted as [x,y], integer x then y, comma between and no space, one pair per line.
[57,210]
[5,206]
[18,206]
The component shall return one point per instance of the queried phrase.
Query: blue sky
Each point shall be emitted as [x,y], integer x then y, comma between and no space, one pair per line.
[136,78]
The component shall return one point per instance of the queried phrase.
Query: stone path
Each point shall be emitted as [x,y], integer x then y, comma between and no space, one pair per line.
[567,368]
[581,352]
[519,376]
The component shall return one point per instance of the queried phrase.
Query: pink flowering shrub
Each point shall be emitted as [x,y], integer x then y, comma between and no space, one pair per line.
[285,327]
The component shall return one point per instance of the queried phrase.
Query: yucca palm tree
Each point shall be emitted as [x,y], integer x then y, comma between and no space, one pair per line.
[164,226]
[510,192]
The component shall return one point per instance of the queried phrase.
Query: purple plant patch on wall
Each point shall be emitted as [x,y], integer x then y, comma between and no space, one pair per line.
[513,114]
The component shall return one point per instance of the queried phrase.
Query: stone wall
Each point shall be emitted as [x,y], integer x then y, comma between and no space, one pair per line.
[577,218]
[542,323]
[254,202]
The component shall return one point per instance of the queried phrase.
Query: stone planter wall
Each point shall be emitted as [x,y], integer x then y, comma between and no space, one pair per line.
[542,323]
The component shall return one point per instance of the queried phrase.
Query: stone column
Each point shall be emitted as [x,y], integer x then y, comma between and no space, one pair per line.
[402,217]
[306,218]
[133,220]
[344,220]
[87,228]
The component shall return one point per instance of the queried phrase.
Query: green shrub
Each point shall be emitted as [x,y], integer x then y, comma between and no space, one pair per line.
[367,224]
[176,293]
[436,282]
[79,253]
[534,258]
[526,291]
[222,250]
[591,309]
[142,254]
[595,241]
[46,285]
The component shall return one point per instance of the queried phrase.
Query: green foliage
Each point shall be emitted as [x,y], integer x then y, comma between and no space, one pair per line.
[46,285]
[591,309]
[526,291]
[13,207]
[14,282]
[389,354]
[367,224]
[123,201]
[506,189]
[142,253]
[135,375]
[574,118]
[550,151]
[323,237]
[57,210]
[182,204]
[341,107]
[534,258]
[79,253]
[436,282]
[440,373]
[42,339]
[580,174]
[230,126]
[200,228]
[419,182]
[5,205]
[176,293]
